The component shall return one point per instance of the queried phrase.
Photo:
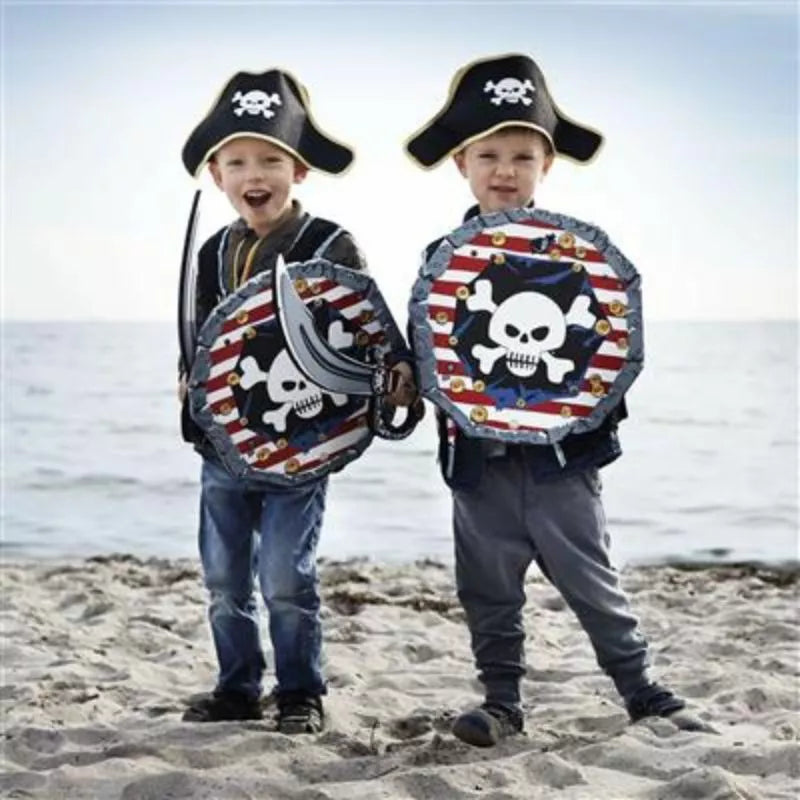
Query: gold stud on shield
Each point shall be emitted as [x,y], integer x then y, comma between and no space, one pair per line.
[602,326]
[555,253]
[233,379]
[622,343]
[362,338]
[499,258]
[566,412]
[498,239]
[616,308]
[242,317]
[316,288]
[225,409]
[441,317]
[580,252]
[577,267]
[250,332]
[596,385]
[281,443]
[291,466]
[566,240]
[244,422]
[478,385]
[262,454]
[300,285]
[457,385]
[520,403]
[479,414]
[462,293]
[365,316]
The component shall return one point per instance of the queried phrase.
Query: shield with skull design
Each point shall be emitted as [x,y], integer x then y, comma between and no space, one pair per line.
[527,326]
[266,420]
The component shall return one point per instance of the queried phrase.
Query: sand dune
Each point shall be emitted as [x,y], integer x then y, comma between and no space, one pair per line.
[100,657]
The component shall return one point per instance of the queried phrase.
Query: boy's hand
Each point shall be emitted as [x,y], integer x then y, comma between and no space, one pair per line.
[404,389]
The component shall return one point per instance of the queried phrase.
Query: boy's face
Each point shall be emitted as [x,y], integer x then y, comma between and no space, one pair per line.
[257,178]
[503,168]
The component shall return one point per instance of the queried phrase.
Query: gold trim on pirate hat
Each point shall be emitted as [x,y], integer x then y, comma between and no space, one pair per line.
[493,93]
[273,106]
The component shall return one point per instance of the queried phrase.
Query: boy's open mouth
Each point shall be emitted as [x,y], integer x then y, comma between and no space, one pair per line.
[255,199]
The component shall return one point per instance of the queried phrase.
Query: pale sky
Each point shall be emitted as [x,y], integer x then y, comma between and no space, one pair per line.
[696,184]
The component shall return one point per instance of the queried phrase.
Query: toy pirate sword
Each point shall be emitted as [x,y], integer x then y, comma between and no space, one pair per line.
[187,323]
[331,369]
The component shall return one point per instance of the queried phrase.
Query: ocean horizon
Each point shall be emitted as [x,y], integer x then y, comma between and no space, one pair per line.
[93,462]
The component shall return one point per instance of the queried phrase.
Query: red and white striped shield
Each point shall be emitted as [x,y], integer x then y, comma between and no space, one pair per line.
[527,326]
[266,420]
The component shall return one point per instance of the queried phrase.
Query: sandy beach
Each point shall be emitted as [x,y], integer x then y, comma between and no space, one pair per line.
[100,656]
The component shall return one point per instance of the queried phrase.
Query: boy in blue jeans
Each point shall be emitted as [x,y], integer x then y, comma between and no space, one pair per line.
[513,504]
[258,141]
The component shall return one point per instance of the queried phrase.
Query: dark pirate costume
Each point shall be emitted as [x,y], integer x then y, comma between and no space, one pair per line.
[519,502]
[272,106]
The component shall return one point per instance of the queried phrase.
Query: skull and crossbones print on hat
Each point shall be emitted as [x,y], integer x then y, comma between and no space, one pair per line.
[494,93]
[271,105]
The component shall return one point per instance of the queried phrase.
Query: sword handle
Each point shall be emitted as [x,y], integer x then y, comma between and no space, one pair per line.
[383,416]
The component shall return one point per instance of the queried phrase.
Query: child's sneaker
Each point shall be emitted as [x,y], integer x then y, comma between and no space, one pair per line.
[654,700]
[220,706]
[486,725]
[300,712]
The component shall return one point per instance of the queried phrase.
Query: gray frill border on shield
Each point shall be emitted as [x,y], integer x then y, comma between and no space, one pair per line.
[225,448]
[422,335]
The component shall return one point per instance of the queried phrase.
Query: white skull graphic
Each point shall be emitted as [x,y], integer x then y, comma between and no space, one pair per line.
[289,387]
[286,384]
[510,90]
[256,102]
[526,328]
[527,325]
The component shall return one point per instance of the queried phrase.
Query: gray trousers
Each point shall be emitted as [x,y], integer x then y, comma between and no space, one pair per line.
[510,520]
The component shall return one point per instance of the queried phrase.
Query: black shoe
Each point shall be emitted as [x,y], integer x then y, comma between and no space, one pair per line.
[300,712]
[220,706]
[486,725]
[658,701]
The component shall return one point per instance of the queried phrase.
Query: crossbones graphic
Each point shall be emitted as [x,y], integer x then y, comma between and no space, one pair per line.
[510,90]
[256,102]
[288,386]
[527,327]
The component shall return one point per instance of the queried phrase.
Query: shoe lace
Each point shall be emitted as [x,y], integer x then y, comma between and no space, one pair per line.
[654,700]
[505,716]
[298,704]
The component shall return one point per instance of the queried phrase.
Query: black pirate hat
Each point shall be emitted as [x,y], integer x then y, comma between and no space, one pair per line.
[494,93]
[274,106]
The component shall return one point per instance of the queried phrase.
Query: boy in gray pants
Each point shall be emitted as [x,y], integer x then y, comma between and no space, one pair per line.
[513,504]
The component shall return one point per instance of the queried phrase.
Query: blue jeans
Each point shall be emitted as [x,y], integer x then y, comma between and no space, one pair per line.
[248,529]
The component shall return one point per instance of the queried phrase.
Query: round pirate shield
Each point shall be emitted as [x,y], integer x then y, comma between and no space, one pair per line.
[527,326]
[266,420]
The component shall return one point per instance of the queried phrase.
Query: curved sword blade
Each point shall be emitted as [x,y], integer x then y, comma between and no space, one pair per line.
[187,323]
[314,357]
